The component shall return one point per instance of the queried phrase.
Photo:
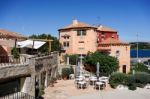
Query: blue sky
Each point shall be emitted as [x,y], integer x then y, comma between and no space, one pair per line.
[27,17]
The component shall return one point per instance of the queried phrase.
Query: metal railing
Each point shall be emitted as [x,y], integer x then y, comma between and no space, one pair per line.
[17,95]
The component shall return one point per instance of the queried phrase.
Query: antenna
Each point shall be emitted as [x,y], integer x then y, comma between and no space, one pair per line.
[98,21]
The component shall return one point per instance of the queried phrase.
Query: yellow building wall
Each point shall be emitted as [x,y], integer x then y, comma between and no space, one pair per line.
[124,56]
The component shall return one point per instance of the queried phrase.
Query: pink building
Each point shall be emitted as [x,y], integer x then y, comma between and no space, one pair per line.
[80,38]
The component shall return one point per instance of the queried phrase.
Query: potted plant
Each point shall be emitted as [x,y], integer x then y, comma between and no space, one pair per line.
[65,73]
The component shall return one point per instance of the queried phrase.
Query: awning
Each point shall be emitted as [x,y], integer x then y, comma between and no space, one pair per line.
[29,44]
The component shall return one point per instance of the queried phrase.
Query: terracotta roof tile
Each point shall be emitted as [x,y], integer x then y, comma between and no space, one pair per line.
[104,28]
[78,25]
[112,41]
[9,34]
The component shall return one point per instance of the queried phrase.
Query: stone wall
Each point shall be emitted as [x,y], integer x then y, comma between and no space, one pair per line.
[35,67]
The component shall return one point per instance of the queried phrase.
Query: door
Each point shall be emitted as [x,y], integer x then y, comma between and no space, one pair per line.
[124,68]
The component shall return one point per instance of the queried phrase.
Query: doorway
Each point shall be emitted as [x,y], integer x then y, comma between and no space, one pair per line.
[124,69]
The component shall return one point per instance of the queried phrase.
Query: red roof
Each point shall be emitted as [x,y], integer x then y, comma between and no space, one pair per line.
[104,28]
[76,24]
[113,41]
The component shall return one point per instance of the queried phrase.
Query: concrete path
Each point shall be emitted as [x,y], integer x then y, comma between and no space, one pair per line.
[116,94]
[65,89]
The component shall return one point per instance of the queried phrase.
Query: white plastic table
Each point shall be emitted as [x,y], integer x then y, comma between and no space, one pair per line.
[81,83]
[99,84]
[93,79]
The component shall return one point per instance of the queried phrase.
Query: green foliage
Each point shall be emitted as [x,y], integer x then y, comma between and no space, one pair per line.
[72,58]
[140,79]
[66,72]
[55,43]
[140,67]
[41,91]
[117,78]
[71,70]
[108,64]
[132,87]
[15,53]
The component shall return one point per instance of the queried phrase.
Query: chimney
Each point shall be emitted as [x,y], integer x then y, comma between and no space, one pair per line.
[100,27]
[75,22]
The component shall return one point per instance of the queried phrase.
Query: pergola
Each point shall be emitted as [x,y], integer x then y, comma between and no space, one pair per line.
[46,40]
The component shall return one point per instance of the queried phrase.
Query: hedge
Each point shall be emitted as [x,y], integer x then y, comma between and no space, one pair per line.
[140,79]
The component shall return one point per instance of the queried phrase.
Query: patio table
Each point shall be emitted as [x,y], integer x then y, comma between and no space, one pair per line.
[81,83]
[99,84]
[93,80]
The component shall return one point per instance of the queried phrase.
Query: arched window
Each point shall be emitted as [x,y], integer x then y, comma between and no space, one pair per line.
[117,53]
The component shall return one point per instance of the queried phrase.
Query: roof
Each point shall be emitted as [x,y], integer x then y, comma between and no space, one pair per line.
[105,28]
[76,24]
[110,41]
[9,34]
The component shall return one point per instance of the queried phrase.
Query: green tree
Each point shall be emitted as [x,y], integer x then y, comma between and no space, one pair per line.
[108,64]
[55,43]
[140,67]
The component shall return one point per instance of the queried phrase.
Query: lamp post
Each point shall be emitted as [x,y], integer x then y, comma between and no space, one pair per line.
[97,69]
[137,47]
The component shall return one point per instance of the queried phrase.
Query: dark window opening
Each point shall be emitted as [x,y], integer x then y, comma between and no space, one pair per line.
[81,32]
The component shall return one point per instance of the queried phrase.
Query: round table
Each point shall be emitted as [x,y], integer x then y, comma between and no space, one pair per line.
[93,80]
[82,83]
[99,84]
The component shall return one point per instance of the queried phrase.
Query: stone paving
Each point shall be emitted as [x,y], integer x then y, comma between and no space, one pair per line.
[65,89]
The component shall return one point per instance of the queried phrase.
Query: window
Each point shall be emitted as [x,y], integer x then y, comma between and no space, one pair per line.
[81,32]
[81,41]
[66,37]
[66,44]
[117,53]
[81,48]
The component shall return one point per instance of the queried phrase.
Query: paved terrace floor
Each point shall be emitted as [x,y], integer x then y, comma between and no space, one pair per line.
[65,89]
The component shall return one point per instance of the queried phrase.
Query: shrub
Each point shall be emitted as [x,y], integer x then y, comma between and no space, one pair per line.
[132,87]
[140,67]
[130,80]
[117,78]
[15,53]
[66,72]
[142,78]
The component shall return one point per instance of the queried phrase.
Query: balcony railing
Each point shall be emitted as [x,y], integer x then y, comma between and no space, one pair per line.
[6,60]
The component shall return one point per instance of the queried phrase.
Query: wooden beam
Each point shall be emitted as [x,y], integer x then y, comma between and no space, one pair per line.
[41,40]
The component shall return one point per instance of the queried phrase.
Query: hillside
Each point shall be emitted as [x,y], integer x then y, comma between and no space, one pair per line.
[141,45]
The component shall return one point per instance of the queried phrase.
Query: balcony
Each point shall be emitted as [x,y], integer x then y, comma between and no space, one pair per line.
[8,60]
